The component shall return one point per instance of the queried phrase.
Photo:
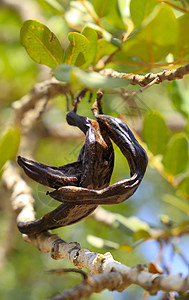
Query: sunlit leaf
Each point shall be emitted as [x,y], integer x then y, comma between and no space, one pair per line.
[179,96]
[110,12]
[155,39]
[77,13]
[155,132]
[181,49]
[41,44]
[53,6]
[140,10]
[177,202]
[123,10]
[78,49]
[9,143]
[104,48]
[132,223]
[176,155]
[91,35]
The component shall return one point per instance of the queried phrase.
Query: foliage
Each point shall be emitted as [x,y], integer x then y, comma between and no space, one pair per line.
[76,40]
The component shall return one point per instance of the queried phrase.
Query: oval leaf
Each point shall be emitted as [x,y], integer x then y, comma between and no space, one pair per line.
[155,39]
[180,204]
[91,35]
[110,12]
[179,97]
[78,50]
[181,49]
[176,156]
[41,44]
[155,132]
[9,144]
[140,10]
[104,48]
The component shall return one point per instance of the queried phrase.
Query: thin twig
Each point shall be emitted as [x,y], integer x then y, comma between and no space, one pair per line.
[127,93]
[69,270]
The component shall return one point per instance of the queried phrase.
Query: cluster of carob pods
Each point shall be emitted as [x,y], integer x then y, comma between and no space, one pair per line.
[83,185]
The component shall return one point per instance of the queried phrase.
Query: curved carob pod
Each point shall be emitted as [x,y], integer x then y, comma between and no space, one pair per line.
[92,170]
[137,159]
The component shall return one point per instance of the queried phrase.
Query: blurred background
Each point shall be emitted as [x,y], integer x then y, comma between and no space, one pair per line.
[157,202]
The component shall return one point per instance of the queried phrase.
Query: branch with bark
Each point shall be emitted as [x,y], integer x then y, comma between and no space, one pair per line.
[106,272]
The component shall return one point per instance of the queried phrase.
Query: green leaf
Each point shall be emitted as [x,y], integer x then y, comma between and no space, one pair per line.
[140,10]
[155,132]
[184,187]
[53,6]
[181,49]
[78,49]
[80,79]
[155,39]
[41,44]
[106,35]
[9,144]
[123,10]
[179,96]
[186,129]
[132,224]
[81,51]
[109,12]
[141,234]
[176,202]
[104,48]
[91,35]
[176,155]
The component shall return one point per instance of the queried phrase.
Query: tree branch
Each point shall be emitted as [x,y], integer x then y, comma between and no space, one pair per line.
[109,273]
[121,280]
[44,90]
[144,80]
